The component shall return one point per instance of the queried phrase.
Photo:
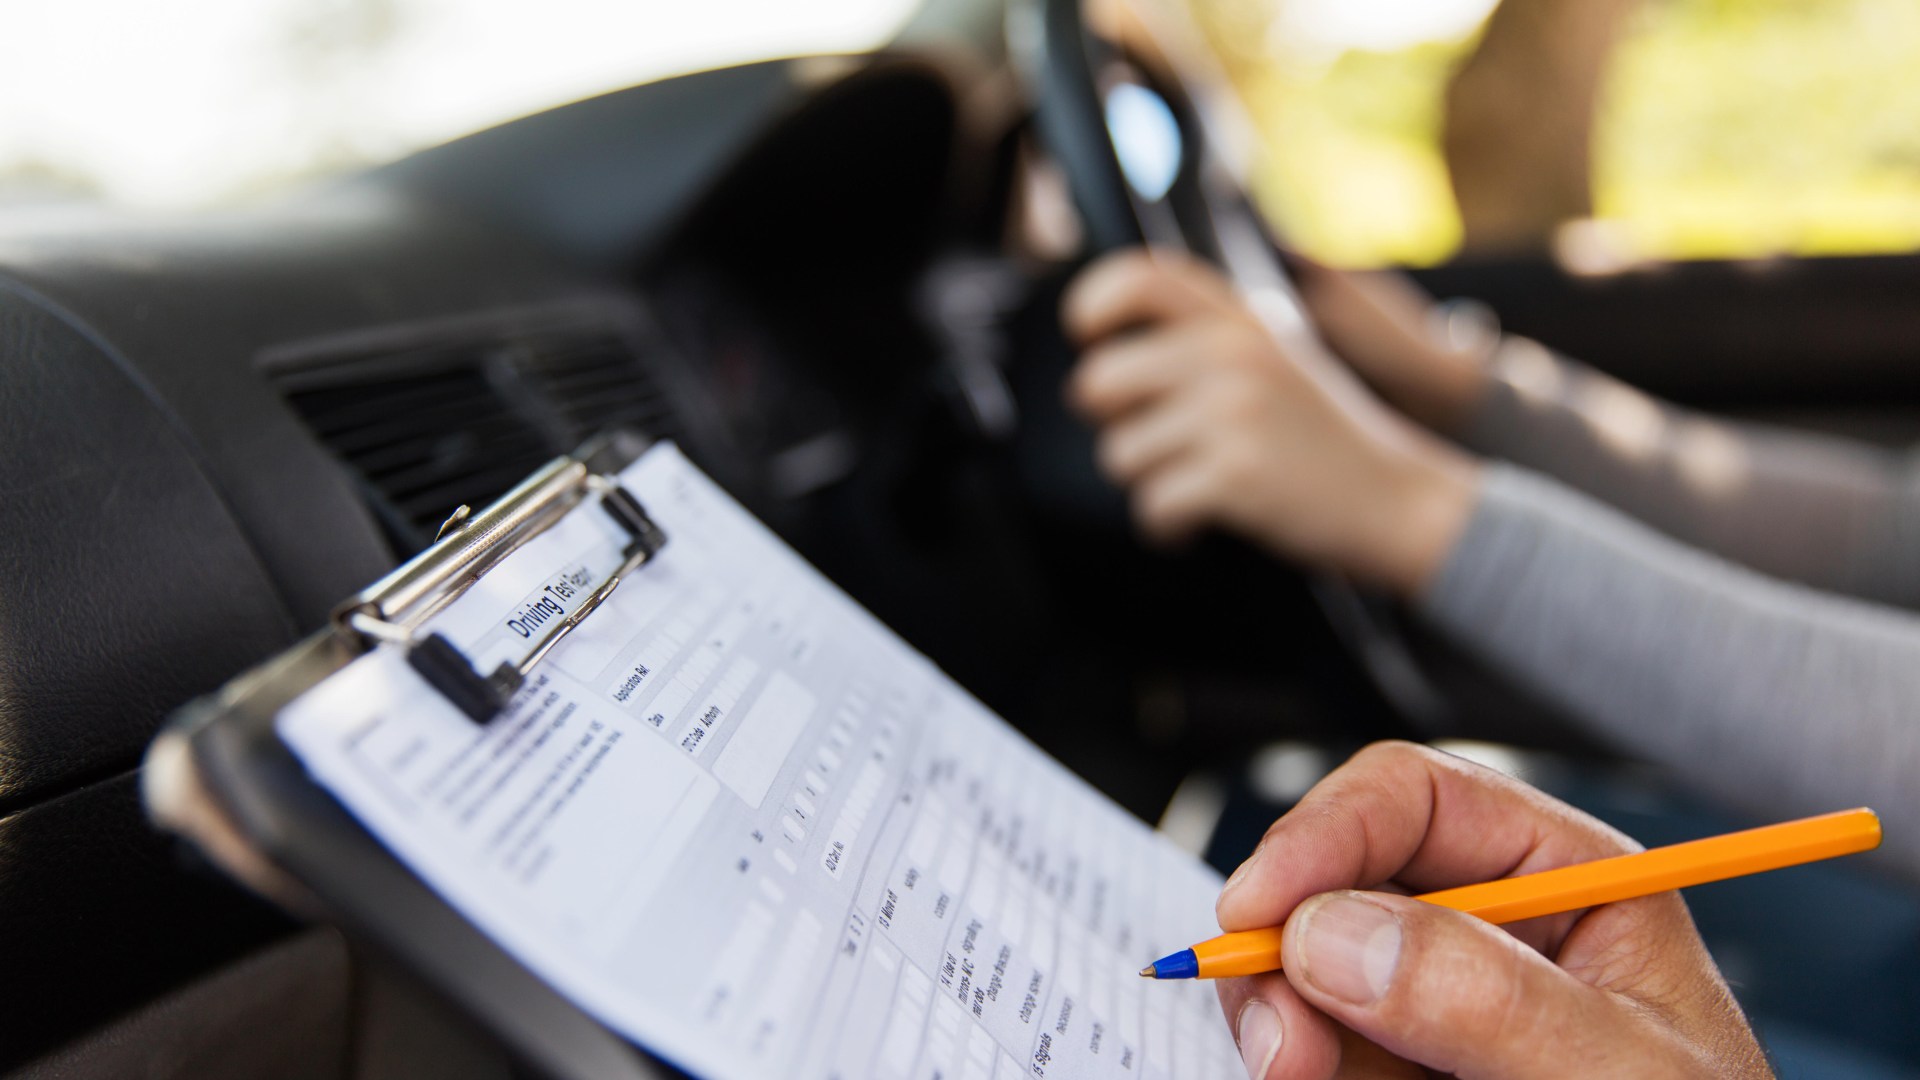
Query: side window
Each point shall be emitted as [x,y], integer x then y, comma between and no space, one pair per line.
[1411,131]
[1756,127]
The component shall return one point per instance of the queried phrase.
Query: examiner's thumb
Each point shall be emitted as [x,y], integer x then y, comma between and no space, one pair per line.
[1441,988]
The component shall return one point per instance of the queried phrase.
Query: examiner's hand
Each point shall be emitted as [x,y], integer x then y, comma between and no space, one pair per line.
[1377,984]
[1208,420]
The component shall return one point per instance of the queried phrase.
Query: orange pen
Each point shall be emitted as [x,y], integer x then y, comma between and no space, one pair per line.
[1570,888]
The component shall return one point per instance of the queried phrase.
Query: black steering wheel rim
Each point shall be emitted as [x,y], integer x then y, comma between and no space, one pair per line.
[1072,123]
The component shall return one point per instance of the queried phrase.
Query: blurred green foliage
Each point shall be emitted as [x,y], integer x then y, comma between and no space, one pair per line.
[1748,127]
[1727,128]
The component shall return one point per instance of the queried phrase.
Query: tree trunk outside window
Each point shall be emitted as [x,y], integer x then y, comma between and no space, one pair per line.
[1520,118]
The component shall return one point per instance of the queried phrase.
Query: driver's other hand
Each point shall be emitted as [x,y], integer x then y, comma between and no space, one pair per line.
[1382,324]
[1209,421]
[1377,984]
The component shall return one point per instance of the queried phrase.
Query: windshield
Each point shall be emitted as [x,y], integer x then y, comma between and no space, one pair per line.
[183,104]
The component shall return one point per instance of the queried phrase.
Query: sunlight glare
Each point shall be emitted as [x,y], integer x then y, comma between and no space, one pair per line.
[177,104]
[1335,26]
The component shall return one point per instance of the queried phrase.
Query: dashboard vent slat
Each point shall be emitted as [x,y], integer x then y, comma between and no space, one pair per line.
[460,416]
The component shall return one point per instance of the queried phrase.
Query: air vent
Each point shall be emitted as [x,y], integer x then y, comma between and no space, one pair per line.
[459,415]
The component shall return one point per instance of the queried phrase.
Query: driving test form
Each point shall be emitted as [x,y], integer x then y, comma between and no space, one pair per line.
[741,823]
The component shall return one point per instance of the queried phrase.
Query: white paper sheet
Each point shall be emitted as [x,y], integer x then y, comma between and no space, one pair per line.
[747,827]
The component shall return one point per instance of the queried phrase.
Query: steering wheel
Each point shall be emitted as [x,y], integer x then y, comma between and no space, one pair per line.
[1134,155]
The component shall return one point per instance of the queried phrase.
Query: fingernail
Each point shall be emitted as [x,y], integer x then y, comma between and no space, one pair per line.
[1258,1031]
[1350,947]
[1239,875]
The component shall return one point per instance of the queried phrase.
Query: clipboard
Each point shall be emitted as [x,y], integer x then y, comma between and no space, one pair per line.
[341,780]
[219,775]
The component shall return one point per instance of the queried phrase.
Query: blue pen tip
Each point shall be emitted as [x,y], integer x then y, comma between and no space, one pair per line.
[1181,965]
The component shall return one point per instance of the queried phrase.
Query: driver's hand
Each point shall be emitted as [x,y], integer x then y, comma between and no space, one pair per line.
[1382,324]
[1208,421]
[1377,984]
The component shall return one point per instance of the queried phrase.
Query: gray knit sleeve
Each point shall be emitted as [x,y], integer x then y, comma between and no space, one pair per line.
[1822,511]
[1772,696]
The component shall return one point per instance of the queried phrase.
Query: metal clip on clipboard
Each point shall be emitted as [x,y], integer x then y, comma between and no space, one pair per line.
[393,609]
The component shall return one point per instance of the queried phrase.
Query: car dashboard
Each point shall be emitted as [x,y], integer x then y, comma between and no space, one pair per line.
[217,427]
